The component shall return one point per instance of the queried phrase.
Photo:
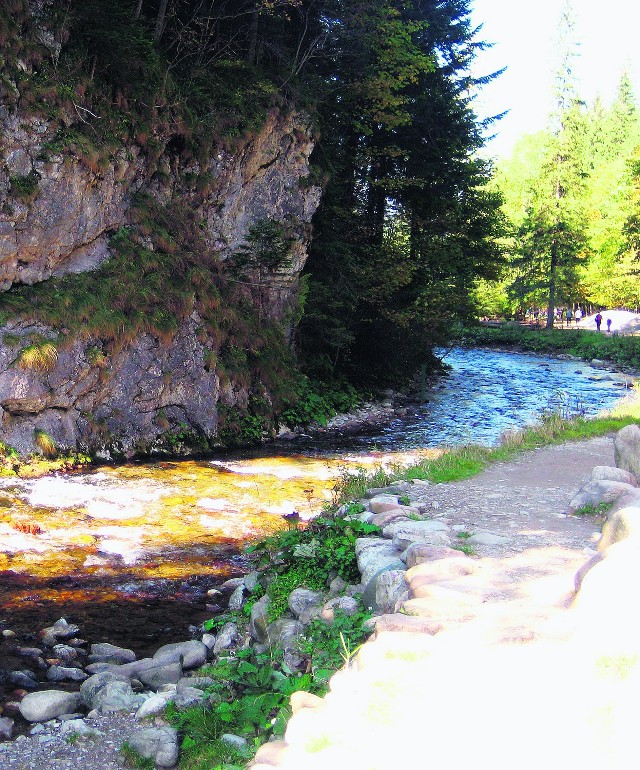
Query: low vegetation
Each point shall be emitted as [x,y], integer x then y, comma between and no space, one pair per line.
[251,689]
[587,345]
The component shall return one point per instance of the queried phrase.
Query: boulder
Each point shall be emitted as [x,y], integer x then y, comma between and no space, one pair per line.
[284,633]
[48,704]
[90,688]
[382,503]
[487,538]
[626,450]
[60,630]
[66,674]
[436,571]
[619,526]
[374,554]
[236,599]
[588,565]
[259,619]
[228,637]
[154,705]
[235,741]
[186,697]
[25,680]
[156,676]
[116,696]
[347,604]
[66,653]
[78,728]
[305,604]
[605,607]
[419,553]
[607,473]
[384,590]
[191,654]
[110,653]
[594,493]
[251,581]
[159,744]
[386,517]
[6,728]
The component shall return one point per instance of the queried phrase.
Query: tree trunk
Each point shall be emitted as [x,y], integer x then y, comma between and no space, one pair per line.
[138,9]
[252,51]
[552,284]
[162,12]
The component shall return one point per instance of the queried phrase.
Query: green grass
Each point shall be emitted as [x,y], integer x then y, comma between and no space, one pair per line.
[624,350]
[594,511]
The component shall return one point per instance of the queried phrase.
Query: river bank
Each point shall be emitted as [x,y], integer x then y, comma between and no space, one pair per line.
[525,552]
[616,351]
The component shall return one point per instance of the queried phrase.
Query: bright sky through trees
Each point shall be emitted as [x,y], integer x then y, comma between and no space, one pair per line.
[524,36]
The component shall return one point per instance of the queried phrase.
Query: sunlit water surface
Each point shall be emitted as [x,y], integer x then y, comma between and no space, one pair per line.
[167,530]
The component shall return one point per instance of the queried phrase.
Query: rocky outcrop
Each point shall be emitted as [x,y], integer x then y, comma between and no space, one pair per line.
[57,213]
[63,222]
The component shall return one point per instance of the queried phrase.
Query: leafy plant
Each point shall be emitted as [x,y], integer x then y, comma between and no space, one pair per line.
[310,556]
[315,401]
[594,511]
[331,646]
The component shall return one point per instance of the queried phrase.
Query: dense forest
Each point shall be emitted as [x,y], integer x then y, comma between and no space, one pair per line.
[572,195]
[406,222]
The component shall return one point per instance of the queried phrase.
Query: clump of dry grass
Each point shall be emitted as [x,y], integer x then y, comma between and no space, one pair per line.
[39,357]
[45,443]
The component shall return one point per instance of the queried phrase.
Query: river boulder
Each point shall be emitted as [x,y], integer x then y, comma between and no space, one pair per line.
[192,654]
[159,744]
[619,526]
[110,653]
[626,449]
[305,604]
[48,704]
[374,554]
[595,493]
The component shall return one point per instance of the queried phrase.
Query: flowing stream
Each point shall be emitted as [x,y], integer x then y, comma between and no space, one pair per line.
[130,551]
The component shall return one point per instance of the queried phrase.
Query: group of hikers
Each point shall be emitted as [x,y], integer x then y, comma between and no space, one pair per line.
[577,315]
[571,316]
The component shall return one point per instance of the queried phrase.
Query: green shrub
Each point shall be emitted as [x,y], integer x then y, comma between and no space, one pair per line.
[310,556]
[314,401]
[24,188]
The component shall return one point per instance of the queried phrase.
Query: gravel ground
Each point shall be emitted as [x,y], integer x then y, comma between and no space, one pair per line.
[48,749]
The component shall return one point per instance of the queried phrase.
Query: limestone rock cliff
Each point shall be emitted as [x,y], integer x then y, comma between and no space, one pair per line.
[57,214]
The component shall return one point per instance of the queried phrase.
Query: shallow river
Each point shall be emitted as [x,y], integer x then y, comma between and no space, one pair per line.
[130,551]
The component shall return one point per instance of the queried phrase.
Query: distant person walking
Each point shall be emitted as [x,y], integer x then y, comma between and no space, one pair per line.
[578,315]
[569,316]
[598,320]
[608,325]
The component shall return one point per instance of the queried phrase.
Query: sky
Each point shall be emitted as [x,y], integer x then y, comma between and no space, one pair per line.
[524,34]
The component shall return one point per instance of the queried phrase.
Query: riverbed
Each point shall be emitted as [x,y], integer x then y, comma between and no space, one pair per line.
[133,549]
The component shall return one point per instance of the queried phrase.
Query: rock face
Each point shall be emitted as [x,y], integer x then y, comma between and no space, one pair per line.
[151,388]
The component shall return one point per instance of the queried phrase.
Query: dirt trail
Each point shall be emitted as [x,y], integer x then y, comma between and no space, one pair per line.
[491,667]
